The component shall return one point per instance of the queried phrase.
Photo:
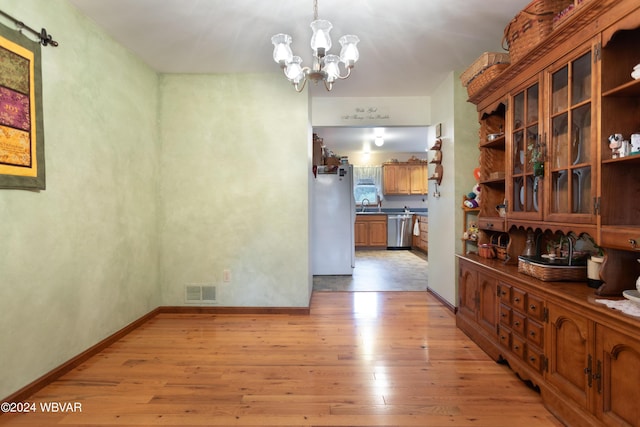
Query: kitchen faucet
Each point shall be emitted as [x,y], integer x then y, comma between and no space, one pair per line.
[571,241]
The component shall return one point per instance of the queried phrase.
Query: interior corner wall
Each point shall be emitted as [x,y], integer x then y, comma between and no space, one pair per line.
[234,189]
[459,153]
[467,151]
[78,261]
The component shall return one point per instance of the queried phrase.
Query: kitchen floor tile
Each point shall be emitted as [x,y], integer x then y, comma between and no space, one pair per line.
[380,270]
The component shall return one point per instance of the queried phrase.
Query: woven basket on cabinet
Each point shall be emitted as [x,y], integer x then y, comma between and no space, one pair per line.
[531,26]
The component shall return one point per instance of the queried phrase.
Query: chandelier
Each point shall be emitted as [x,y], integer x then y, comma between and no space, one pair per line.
[325,67]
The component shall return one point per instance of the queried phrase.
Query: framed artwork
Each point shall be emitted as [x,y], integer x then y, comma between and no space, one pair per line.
[21,124]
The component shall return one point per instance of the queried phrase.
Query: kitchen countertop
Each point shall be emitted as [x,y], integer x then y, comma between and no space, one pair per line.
[374,211]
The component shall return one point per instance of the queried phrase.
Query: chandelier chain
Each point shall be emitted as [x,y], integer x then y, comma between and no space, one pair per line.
[315,10]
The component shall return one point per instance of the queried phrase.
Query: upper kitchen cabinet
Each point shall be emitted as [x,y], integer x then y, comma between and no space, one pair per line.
[620,105]
[492,165]
[404,178]
[572,170]
[552,170]
[526,151]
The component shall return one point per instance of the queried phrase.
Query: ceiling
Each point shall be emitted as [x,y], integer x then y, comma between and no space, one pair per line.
[407,47]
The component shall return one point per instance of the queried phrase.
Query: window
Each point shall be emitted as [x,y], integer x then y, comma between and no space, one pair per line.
[367,182]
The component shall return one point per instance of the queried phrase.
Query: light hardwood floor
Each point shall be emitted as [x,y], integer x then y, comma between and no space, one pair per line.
[358,359]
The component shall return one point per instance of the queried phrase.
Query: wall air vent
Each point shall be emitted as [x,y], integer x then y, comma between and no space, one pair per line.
[200,294]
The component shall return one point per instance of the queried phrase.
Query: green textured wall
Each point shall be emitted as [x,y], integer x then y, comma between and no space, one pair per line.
[79,260]
[235,177]
[152,183]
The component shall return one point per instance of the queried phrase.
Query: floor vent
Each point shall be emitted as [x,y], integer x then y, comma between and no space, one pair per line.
[200,294]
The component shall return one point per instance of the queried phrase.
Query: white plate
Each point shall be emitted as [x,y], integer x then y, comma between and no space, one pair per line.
[632,294]
[522,196]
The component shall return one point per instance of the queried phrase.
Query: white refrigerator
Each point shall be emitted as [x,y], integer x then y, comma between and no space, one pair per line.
[333,218]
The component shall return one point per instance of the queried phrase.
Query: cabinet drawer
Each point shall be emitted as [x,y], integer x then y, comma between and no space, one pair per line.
[535,358]
[505,315]
[518,323]
[518,299]
[535,307]
[535,333]
[504,337]
[627,239]
[505,293]
[490,223]
[518,346]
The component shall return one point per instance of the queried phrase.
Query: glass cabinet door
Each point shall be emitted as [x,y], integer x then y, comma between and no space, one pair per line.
[571,149]
[526,155]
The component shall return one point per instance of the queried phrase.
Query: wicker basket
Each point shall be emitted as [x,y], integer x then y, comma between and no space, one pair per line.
[500,246]
[563,14]
[552,274]
[485,77]
[531,26]
[486,63]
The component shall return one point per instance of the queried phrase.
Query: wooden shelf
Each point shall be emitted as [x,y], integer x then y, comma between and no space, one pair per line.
[631,89]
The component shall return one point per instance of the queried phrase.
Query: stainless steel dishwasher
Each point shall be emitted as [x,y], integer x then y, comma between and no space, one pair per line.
[399,231]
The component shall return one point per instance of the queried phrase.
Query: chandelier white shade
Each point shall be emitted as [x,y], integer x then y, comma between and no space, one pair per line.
[325,67]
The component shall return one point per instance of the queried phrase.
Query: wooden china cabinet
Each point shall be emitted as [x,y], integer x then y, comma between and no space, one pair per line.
[544,148]
[492,165]
[524,188]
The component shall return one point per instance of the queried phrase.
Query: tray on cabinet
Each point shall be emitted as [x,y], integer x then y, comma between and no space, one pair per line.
[552,273]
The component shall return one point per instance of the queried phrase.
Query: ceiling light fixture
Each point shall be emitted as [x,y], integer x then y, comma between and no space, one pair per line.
[378,136]
[326,67]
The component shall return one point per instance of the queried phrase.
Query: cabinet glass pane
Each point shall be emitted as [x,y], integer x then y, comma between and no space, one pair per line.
[532,193]
[518,110]
[581,135]
[532,104]
[581,186]
[559,139]
[581,81]
[518,153]
[518,195]
[532,147]
[560,192]
[559,88]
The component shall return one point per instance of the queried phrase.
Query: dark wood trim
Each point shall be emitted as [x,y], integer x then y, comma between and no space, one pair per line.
[443,301]
[76,361]
[293,311]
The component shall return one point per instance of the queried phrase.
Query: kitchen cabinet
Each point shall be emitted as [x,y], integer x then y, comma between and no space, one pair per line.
[569,359]
[371,231]
[616,377]
[417,179]
[582,355]
[619,210]
[521,330]
[492,166]
[557,107]
[595,366]
[477,305]
[524,186]
[404,178]
[565,97]
[572,173]
[421,241]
